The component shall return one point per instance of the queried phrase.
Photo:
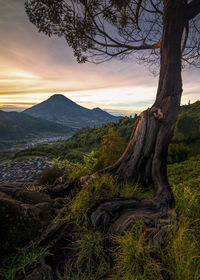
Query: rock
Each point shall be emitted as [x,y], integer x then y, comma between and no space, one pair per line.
[23,214]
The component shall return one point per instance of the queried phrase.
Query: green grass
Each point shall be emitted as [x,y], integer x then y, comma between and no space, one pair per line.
[133,256]
[102,188]
[130,256]
[18,263]
[181,254]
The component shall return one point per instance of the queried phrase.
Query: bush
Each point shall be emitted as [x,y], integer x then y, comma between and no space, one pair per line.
[177,153]
[49,175]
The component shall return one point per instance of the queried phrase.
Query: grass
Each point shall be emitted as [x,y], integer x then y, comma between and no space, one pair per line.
[18,263]
[181,253]
[90,258]
[102,188]
[185,181]
[96,255]
[131,256]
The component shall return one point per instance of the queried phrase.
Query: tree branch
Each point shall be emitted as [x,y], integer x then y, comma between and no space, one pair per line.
[193,9]
[186,37]
[156,9]
[138,11]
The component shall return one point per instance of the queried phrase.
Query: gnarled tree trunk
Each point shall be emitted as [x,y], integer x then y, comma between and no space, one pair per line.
[145,158]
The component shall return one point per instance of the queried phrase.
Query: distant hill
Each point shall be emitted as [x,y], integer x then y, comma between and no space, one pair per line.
[62,110]
[15,126]
[87,138]
[188,123]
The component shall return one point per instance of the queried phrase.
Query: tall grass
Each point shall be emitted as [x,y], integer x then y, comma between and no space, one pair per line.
[103,188]
[131,256]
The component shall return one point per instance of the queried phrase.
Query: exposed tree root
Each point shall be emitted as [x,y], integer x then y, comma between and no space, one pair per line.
[116,216]
[141,162]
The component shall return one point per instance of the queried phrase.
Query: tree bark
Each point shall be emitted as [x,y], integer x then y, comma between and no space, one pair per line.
[145,158]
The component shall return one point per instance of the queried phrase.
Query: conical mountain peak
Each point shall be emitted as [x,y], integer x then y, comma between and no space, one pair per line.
[63,110]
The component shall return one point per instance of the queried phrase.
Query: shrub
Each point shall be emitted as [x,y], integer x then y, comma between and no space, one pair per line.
[49,175]
[177,152]
[89,165]
[18,262]
[133,256]
[112,147]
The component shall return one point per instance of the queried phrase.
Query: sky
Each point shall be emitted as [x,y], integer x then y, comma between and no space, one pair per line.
[33,67]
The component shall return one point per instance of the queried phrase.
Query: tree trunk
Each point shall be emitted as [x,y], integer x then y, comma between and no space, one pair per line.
[145,158]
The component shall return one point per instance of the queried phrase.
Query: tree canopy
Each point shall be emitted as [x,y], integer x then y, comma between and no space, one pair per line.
[99,30]
[152,30]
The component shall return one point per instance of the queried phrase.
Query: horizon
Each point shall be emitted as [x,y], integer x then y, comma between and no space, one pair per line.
[19,110]
[34,67]
[112,112]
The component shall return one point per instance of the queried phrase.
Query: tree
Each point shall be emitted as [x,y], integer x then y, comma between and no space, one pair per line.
[112,146]
[153,30]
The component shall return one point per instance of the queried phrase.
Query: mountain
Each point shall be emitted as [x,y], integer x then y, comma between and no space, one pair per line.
[62,110]
[15,126]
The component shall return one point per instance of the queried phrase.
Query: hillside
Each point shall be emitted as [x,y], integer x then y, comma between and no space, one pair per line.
[87,139]
[62,110]
[59,236]
[15,126]
[76,250]
[83,141]
[188,123]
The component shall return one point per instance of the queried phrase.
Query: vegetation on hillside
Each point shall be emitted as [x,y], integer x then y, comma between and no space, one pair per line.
[94,255]
[16,126]
[185,143]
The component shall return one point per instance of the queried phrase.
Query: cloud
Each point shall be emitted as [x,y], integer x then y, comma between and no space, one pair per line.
[34,66]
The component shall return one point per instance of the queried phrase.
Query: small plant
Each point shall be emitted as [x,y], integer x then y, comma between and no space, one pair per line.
[133,256]
[76,170]
[181,254]
[112,147]
[49,175]
[177,153]
[18,263]
[104,187]
[90,261]
[34,188]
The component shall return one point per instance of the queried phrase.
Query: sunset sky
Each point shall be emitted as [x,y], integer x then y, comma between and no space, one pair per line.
[33,67]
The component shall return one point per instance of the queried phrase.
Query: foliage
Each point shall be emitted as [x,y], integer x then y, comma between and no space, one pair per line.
[177,152]
[18,263]
[181,253]
[187,128]
[112,146]
[188,123]
[99,31]
[73,149]
[49,175]
[133,255]
[102,188]
[76,170]
[185,180]
[87,139]
[92,262]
